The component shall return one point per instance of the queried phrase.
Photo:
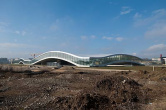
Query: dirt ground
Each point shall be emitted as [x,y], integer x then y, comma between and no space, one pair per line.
[71,88]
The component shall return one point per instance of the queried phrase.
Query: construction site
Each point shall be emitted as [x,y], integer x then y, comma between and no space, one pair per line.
[82,54]
[72,88]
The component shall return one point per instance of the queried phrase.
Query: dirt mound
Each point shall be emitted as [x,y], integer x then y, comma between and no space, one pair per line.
[110,93]
[82,101]
[123,92]
[91,101]
[108,83]
[143,72]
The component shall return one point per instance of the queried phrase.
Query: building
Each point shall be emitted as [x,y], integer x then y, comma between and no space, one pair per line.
[4,61]
[160,60]
[20,61]
[64,58]
[164,58]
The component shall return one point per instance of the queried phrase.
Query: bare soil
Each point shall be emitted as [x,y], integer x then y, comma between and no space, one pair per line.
[71,88]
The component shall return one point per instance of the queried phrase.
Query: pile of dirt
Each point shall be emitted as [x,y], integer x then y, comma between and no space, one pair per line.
[82,101]
[110,83]
[116,92]
[91,101]
[123,92]
[143,72]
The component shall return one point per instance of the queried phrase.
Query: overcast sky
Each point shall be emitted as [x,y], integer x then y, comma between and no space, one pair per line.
[83,27]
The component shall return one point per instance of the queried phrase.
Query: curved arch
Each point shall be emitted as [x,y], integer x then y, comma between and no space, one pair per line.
[61,52]
[59,59]
[117,55]
[125,55]
[73,59]
[111,59]
[21,62]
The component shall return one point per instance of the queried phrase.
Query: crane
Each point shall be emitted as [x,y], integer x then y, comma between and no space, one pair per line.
[35,54]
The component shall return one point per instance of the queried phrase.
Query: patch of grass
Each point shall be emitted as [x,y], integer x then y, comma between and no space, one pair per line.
[147,68]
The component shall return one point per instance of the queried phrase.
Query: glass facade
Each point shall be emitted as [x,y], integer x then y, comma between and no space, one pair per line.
[85,61]
[113,59]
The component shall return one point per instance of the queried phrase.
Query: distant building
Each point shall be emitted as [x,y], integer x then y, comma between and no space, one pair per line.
[156,59]
[4,61]
[19,61]
[164,60]
[160,60]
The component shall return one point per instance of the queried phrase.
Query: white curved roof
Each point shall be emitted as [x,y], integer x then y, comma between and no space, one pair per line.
[64,53]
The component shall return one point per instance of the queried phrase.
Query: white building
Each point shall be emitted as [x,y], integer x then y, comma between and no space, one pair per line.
[164,60]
